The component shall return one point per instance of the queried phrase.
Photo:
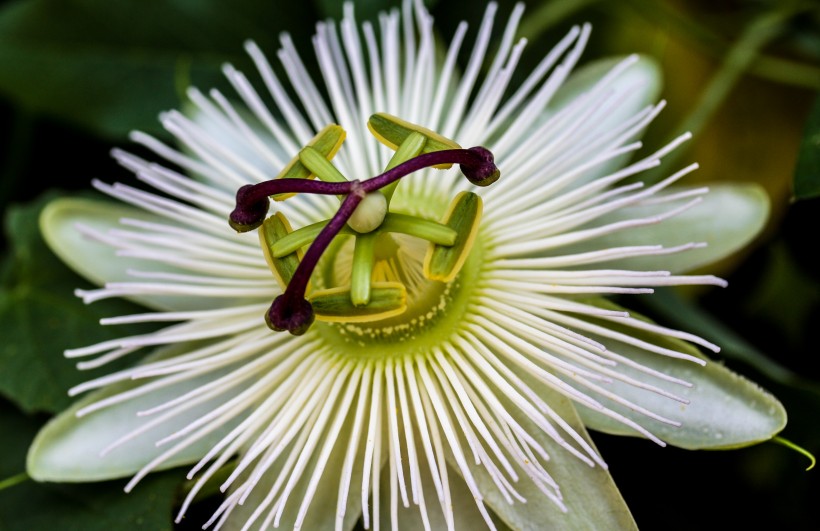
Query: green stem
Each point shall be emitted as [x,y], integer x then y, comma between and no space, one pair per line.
[14,480]
[788,444]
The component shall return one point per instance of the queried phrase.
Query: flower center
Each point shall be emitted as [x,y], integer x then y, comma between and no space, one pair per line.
[432,307]
[381,274]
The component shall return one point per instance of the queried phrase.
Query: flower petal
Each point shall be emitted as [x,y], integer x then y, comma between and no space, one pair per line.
[636,88]
[725,409]
[589,493]
[729,217]
[322,510]
[98,261]
[68,447]
[94,260]
[465,511]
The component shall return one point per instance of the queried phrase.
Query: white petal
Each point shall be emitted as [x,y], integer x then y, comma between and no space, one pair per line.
[725,410]
[636,88]
[67,225]
[68,448]
[94,260]
[589,493]
[729,217]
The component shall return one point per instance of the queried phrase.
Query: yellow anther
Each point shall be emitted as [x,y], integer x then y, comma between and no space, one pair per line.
[387,299]
[392,132]
[443,262]
[326,143]
[272,230]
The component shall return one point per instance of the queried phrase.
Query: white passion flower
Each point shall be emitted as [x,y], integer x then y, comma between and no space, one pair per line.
[449,341]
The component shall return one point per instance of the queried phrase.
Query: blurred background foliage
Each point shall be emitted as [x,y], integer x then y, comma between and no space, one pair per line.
[744,75]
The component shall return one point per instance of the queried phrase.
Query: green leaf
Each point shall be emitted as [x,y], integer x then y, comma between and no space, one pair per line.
[103,506]
[112,66]
[725,410]
[807,171]
[40,317]
[17,432]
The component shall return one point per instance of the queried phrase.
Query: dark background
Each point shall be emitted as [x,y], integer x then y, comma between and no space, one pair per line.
[76,76]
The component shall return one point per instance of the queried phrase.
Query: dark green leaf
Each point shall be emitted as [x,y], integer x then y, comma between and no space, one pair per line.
[40,317]
[112,66]
[807,172]
[17,433]
[93,507]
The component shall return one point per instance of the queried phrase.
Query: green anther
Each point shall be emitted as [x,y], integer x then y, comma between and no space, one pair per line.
[316,162]
[426,229]
[387,299]
[444,262]
[411,147]
[362,269]
[301,237]
[393,132]
[272,231]
[326,143]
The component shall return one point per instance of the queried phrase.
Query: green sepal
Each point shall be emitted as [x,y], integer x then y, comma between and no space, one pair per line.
[387,299]
[393,132]
[725,411]
[464,215]
[273,230]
